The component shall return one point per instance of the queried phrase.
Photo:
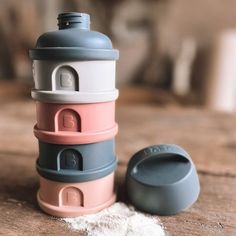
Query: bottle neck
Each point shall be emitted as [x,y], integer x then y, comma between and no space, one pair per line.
[73,20]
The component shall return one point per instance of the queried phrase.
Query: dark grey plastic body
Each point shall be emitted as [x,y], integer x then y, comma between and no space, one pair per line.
[76,163]
[162,179]
[74,41]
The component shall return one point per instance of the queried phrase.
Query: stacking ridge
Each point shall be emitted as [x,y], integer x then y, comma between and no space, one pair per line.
[74,77]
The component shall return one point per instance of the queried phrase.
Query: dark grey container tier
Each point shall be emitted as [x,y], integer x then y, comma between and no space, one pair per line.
[74,41]
[76,163]
[162,179]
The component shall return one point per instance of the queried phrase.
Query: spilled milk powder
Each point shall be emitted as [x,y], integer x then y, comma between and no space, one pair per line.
[117,220]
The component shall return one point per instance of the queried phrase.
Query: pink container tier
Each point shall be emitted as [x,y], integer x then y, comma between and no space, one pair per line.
[75,123]
[75,199]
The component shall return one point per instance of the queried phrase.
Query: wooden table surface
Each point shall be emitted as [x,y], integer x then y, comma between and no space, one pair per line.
[209,137]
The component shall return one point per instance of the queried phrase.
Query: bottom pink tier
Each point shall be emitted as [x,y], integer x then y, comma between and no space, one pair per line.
[75,199]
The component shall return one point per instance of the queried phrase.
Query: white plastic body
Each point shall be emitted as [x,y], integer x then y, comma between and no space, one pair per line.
[74,82]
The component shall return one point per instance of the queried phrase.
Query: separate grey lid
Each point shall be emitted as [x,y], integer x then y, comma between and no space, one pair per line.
[162,179]
[74,41]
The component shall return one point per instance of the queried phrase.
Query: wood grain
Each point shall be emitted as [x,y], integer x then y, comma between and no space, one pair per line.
[209,137]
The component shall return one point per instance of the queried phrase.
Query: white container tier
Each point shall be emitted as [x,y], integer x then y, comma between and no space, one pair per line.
[74,81]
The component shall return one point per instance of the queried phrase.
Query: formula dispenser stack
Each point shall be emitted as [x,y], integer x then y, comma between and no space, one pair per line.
[74,75]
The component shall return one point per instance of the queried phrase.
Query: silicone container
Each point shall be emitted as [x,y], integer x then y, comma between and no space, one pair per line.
[74,82]
[74,77]
[74,41]
[75,123]
[162,179]
[74,64]
[76,163]
[75,199]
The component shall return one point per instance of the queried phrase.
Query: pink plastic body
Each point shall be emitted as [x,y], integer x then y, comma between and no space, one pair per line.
[75,199]
[75,124]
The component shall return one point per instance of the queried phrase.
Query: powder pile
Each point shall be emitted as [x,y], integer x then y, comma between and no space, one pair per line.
[117,220]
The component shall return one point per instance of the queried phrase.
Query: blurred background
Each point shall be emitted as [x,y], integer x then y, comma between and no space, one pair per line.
[180,51]
[177,81]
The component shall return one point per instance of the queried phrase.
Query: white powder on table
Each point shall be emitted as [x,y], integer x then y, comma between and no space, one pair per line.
[117,220]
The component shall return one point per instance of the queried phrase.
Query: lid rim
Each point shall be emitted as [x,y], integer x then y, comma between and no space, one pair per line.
[81,176]
[73,53]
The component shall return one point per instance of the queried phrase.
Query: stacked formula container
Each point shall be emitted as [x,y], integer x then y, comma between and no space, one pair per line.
[74,75]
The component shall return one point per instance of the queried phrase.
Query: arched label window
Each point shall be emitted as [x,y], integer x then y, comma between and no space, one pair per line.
[71,160]
[66,79]
[72,196]
[68,120]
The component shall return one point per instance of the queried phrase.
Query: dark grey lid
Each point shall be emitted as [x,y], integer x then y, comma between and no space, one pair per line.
[73,41]
[162,179]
